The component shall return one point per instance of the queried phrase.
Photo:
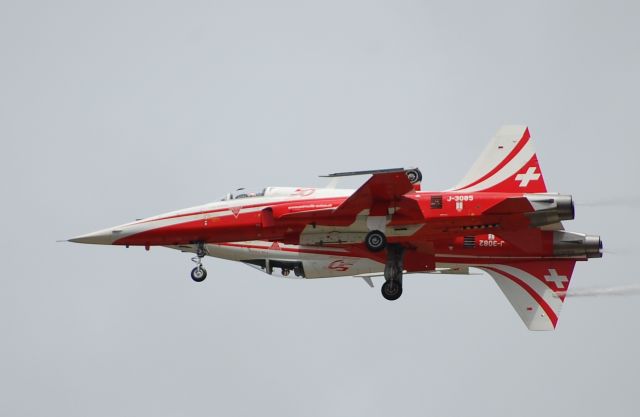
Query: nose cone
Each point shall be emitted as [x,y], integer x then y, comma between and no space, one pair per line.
[101,237]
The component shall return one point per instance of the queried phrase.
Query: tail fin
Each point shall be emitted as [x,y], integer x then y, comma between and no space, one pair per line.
[535,289]
[508,164]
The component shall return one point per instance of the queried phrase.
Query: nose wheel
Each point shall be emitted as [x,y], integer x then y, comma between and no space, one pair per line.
[198,274]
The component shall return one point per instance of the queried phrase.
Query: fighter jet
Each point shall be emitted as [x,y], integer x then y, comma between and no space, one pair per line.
[499,218]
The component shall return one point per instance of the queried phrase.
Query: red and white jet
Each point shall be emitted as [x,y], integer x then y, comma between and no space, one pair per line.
[499,218]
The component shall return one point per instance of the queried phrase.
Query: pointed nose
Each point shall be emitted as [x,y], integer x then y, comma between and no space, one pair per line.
[101,237]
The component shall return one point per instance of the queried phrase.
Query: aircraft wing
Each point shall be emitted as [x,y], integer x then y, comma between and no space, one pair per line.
[384,189]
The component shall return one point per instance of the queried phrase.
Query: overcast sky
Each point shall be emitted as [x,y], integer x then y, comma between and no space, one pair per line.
[111,111]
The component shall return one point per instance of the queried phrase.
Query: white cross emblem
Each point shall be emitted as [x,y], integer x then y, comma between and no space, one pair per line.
[559,280]
[528,176]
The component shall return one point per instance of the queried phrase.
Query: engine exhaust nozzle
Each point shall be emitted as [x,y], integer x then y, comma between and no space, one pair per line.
[576,244]
[550,209]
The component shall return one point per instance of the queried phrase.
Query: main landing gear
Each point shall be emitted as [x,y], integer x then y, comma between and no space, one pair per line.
[198,274]
[392,288]
[375,241]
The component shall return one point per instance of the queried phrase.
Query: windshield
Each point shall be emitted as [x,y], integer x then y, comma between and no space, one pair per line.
[241,193]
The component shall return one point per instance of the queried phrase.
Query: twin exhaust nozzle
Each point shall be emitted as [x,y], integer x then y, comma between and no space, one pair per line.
[550,209]
[553,208]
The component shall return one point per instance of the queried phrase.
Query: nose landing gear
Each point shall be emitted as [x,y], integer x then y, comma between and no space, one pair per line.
[198,274]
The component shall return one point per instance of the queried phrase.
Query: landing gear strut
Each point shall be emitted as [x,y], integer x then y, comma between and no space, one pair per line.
[198,274]
[392,288]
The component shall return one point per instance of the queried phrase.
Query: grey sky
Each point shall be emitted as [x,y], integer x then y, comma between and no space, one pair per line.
[111,111]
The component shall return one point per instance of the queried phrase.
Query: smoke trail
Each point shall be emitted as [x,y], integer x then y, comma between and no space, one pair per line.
[621,290]
[617,251]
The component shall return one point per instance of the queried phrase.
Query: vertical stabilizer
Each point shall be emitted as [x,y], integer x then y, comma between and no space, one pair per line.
[508,164]
[535,289]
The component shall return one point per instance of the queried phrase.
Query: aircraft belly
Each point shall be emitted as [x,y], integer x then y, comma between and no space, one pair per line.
[340,267]
[317,262]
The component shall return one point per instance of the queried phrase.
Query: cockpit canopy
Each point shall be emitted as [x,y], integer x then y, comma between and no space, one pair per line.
[242,193]
[270,192]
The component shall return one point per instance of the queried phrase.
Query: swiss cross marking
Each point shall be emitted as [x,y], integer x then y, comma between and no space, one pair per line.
[559,280]
[528,176]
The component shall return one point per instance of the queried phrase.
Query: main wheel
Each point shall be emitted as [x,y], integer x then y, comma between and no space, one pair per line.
[414,175]
[198,274]
[375,241]
[391,290]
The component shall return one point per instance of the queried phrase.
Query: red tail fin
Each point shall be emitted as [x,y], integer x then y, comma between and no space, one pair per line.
[535,289]
[508,164]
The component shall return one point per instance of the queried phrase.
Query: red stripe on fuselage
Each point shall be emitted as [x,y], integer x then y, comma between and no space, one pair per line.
[264,204]
[175,216]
